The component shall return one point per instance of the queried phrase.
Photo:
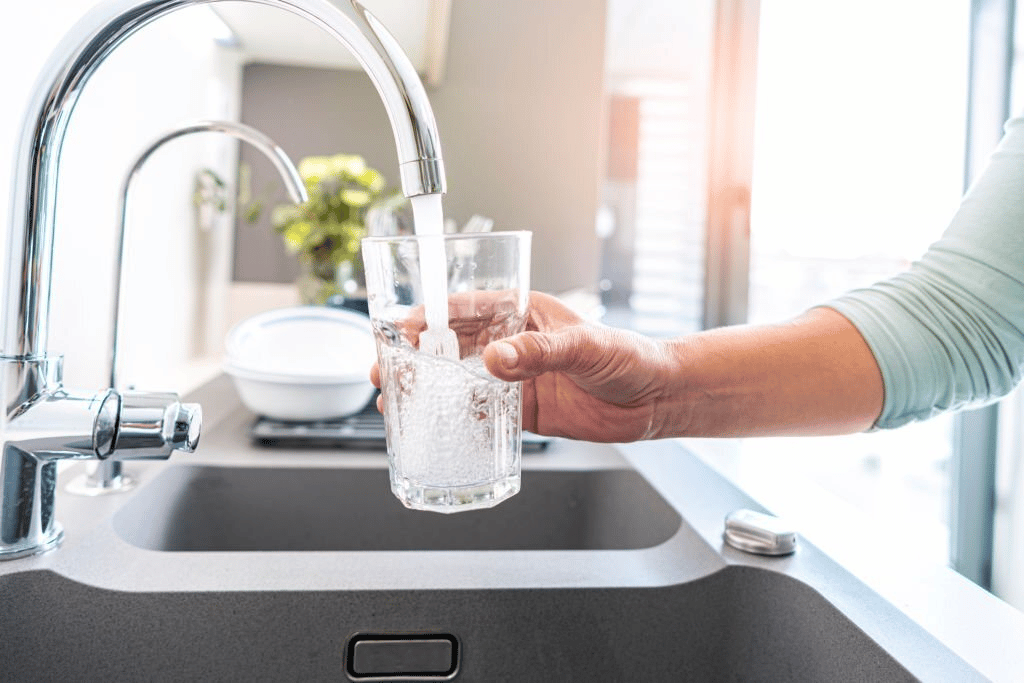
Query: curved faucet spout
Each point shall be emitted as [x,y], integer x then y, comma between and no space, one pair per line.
[282,162]
[30,242]
[108,477]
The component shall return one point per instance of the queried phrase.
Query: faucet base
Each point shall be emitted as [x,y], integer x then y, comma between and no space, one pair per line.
[100,484]
[50,541]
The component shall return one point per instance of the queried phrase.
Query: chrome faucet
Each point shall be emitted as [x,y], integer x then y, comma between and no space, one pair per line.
[40,422]
[109,477]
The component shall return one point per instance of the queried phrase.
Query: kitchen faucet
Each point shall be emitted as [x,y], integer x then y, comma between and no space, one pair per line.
[108,477]
[41,423]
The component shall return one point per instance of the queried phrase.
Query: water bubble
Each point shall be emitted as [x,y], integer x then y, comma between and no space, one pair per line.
[449,423]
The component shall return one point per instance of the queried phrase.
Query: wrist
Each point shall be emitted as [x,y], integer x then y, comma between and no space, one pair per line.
[674,406]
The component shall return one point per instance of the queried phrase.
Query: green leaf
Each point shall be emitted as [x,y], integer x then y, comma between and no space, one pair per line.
[253,212]
[296,235]
[346,166]
[326,229]
[372,180]
[357,198]
[312,168]
[284,215]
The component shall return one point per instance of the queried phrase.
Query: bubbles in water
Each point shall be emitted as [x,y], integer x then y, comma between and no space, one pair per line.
[449,423]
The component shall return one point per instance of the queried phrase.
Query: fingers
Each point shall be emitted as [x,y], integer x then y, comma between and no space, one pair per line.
[502,360]
[574,351]
[551,342]
[375,379]
[548,314]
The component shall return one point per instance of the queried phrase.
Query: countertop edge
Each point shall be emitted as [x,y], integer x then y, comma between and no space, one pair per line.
[982,629]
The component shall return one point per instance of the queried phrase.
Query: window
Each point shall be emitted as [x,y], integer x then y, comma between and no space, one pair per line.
[858,161]
[858,167]
[1008,542]
[654,191]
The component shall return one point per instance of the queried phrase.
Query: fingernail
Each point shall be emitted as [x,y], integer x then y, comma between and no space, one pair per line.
[508,355]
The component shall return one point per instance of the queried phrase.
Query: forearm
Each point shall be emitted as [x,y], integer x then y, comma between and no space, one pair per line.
[949,332]
[811,376]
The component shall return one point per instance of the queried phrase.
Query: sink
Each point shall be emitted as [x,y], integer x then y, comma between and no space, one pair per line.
[250,563]
[215,508]
[739,624]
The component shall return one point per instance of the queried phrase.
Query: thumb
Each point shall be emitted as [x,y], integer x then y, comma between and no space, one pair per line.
[530,354]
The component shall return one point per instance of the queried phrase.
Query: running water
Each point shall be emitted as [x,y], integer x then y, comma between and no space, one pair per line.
[428,218]
[428,221]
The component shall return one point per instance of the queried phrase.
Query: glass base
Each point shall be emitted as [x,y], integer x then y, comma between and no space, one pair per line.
[448,499]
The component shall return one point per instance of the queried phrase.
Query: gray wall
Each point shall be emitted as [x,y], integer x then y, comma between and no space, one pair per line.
[521,122]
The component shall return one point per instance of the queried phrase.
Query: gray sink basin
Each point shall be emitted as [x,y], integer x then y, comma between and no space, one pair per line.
[211,508]
[739,624]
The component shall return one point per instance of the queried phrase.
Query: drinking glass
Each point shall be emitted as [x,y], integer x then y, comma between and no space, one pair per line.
[454,433]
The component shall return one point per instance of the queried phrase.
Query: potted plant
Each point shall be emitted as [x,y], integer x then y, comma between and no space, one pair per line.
[325,232]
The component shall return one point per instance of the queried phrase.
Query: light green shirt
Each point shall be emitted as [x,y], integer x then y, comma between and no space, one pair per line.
[949,332]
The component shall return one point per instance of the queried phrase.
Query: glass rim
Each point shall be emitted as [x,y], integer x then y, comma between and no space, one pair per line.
[448,236]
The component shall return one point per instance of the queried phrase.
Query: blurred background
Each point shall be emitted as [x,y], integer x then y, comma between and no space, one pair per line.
[682,165]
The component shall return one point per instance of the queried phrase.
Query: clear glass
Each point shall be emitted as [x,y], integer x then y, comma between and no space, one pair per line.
[453,430]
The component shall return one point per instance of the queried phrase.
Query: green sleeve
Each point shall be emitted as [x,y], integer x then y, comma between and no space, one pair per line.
[949,332]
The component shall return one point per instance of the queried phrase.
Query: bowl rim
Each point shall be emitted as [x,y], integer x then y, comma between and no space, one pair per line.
[233,364]
[246,373]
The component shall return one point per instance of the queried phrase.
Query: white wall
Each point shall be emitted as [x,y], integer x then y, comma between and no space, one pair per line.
[520,115]
[169,73]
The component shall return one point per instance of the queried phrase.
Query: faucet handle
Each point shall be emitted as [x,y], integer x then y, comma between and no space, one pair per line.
[151,425]
[187,426]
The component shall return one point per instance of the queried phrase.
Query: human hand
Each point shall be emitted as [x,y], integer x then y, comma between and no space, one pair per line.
[580,380]
[814,374]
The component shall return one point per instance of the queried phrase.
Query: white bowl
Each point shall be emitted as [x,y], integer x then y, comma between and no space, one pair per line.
[284,398]
[302,363]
